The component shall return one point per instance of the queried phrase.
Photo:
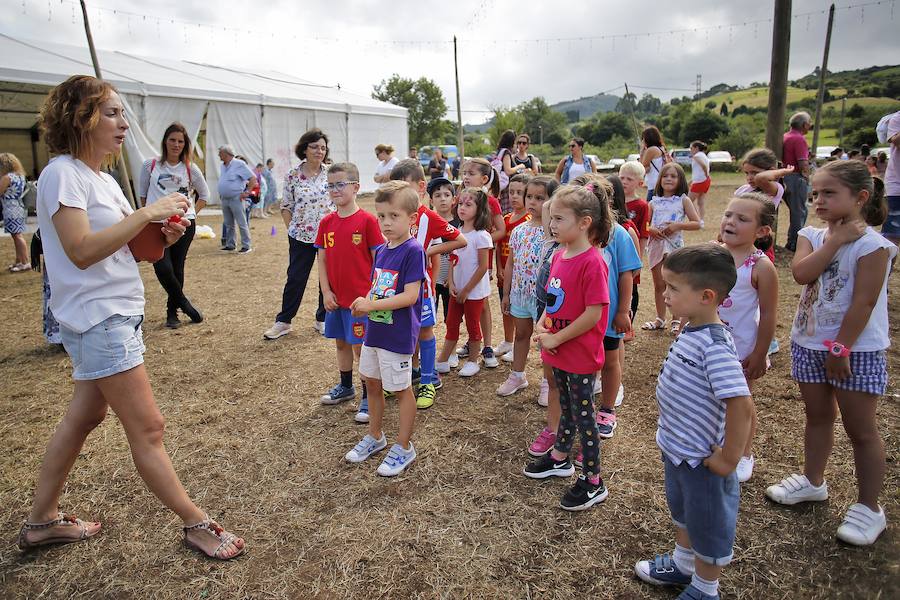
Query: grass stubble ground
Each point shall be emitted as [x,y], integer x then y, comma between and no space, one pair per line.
[255,448]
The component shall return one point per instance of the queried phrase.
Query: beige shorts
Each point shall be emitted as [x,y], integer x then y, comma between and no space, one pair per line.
[393,369]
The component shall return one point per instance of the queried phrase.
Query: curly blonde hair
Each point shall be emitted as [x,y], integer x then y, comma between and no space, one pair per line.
[10,164]
[71,112]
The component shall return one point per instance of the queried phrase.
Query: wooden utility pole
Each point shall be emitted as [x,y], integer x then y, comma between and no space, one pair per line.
[634,124]
[822,74]
[121,166]
[781,50]
[460,141]
[841,131]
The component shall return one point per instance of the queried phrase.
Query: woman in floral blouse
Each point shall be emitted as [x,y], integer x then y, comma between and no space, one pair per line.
[304,204]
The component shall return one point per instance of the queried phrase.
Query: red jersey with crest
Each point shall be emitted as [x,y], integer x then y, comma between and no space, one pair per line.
[348,243]
[430,226]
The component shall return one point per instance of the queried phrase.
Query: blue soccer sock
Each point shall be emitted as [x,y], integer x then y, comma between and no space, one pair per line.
[427,354]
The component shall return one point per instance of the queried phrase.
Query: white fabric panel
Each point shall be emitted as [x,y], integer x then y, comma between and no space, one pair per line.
[239,125]
[366,132]
[282,127]
[160,112]
[334,125]
[137,147]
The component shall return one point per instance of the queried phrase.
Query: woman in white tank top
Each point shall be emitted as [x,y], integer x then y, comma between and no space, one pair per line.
[652,157]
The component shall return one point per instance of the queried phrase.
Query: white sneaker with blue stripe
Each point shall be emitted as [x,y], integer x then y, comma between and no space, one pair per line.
[366,448]
[396,461]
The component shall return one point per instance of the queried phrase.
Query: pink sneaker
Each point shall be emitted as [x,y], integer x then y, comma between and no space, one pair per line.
[513,384]
[606,423]
[579,459]
[543,444]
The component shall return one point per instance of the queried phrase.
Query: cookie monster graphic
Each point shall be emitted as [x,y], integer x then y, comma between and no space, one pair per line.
[555,295]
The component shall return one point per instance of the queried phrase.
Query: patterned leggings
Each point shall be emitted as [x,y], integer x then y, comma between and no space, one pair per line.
[576,399]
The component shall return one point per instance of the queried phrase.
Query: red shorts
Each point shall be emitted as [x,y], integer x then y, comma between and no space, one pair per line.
[701,187]
[471,310]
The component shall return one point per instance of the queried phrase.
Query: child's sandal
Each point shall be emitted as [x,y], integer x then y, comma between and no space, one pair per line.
[675,327]
[225,538]
[654,325]
[69,520]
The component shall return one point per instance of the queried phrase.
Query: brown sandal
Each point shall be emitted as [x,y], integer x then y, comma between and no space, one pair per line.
[219,533]
[24,545]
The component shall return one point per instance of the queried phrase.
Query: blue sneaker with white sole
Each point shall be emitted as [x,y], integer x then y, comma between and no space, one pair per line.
[692,593]
[362,413]
[338,394]
[661,570]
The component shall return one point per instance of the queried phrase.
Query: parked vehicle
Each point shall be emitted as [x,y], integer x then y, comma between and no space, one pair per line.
[617,162]
[682,156]
[633,157]
[720,156]
[824,152]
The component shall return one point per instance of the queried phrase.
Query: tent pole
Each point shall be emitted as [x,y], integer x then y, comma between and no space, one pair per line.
[121,166]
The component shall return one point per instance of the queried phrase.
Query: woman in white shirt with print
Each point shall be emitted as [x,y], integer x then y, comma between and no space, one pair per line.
[98,299]
[173,171]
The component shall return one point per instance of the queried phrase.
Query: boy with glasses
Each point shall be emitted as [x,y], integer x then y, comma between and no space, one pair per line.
[346,244]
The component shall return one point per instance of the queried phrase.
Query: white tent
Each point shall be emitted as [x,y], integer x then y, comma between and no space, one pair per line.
[260,113]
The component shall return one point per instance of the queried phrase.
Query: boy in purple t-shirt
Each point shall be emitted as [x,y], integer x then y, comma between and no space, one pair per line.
[394,308]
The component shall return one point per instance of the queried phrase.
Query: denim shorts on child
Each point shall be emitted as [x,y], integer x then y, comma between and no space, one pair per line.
[109,347]
[340,324]
[523,312]
[707,506]
[869,370]
[428,317]
[393,369]
[891,227]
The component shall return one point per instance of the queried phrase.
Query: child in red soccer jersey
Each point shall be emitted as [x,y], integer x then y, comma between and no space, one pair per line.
[346,244]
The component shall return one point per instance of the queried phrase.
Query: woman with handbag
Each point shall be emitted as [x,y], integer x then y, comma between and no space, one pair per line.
[174,172]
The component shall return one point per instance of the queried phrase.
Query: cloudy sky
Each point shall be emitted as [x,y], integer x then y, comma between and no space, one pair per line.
[508,51]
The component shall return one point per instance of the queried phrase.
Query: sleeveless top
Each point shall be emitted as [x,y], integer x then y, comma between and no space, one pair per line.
[652,174]
[528,161]
[740,310]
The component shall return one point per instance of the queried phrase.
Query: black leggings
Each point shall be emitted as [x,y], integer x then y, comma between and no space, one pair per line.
[634,301]
[442,292]
[300,262]
[170,269]
[576,399]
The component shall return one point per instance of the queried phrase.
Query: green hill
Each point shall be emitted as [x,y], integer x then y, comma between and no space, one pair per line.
[587,106]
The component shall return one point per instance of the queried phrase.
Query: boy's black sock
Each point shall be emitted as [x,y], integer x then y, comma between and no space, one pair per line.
[347,378]
[365,392]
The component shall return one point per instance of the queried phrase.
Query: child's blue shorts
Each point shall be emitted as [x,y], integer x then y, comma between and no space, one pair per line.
[707,506]
[340,324]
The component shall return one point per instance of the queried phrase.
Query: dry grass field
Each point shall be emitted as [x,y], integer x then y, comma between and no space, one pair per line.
[256,449]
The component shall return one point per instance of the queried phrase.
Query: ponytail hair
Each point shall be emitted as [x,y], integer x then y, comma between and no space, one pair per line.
[701,146]
[854,175]
[485,168]
[590,200]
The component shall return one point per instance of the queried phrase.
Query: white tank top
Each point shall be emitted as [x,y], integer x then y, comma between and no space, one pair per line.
[652,174]
[740,310]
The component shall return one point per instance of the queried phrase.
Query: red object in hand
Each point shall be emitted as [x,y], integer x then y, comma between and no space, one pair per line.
[149,244]
[173,219]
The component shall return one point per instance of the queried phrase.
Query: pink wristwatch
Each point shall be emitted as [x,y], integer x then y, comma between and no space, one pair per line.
[837,349]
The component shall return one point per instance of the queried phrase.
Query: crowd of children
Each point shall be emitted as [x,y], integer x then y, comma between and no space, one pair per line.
[567,264]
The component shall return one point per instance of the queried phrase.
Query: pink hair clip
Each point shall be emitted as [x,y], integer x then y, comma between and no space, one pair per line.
[589,187]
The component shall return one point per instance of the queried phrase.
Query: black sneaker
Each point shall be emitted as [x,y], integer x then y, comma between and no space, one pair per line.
[245,250]
[227,248]
[191,311]
[546,466]
[416,376]
[583,495]
[490,361]
[172,321]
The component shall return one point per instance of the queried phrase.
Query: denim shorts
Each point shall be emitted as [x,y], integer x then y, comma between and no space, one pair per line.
[891,227]
[109,347]
[707,506]
[341,325]
[869,370]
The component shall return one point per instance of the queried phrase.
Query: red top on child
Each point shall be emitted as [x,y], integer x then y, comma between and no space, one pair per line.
[430,226]
[574,284]
[348,243]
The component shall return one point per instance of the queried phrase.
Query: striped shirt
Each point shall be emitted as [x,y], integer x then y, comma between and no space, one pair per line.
[700,373]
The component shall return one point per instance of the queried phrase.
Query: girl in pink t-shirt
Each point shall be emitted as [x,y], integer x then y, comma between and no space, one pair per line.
[570,337]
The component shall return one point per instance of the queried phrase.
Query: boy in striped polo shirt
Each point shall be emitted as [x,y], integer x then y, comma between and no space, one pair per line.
[704,422]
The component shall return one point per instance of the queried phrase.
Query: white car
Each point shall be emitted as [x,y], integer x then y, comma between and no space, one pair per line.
[720,156]
[682,156]
[824,152]
[633,157]
[617,162]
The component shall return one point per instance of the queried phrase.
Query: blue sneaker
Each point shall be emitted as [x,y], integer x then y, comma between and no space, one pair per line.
[661,571]
[362,413]
[337,394]
[774,347]
[692,593]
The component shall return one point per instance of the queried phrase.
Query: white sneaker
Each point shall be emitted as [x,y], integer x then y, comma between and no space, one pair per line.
[545,393]
[861,526]
[744,468]
[489,358]
[620,396]
[277,330]
[396,460]
[508,357]
[598,385]
[441,367]
[320,327]
[513,384]
[453,361]
[366,448]
[503,348]
[468,369]
[796,489]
